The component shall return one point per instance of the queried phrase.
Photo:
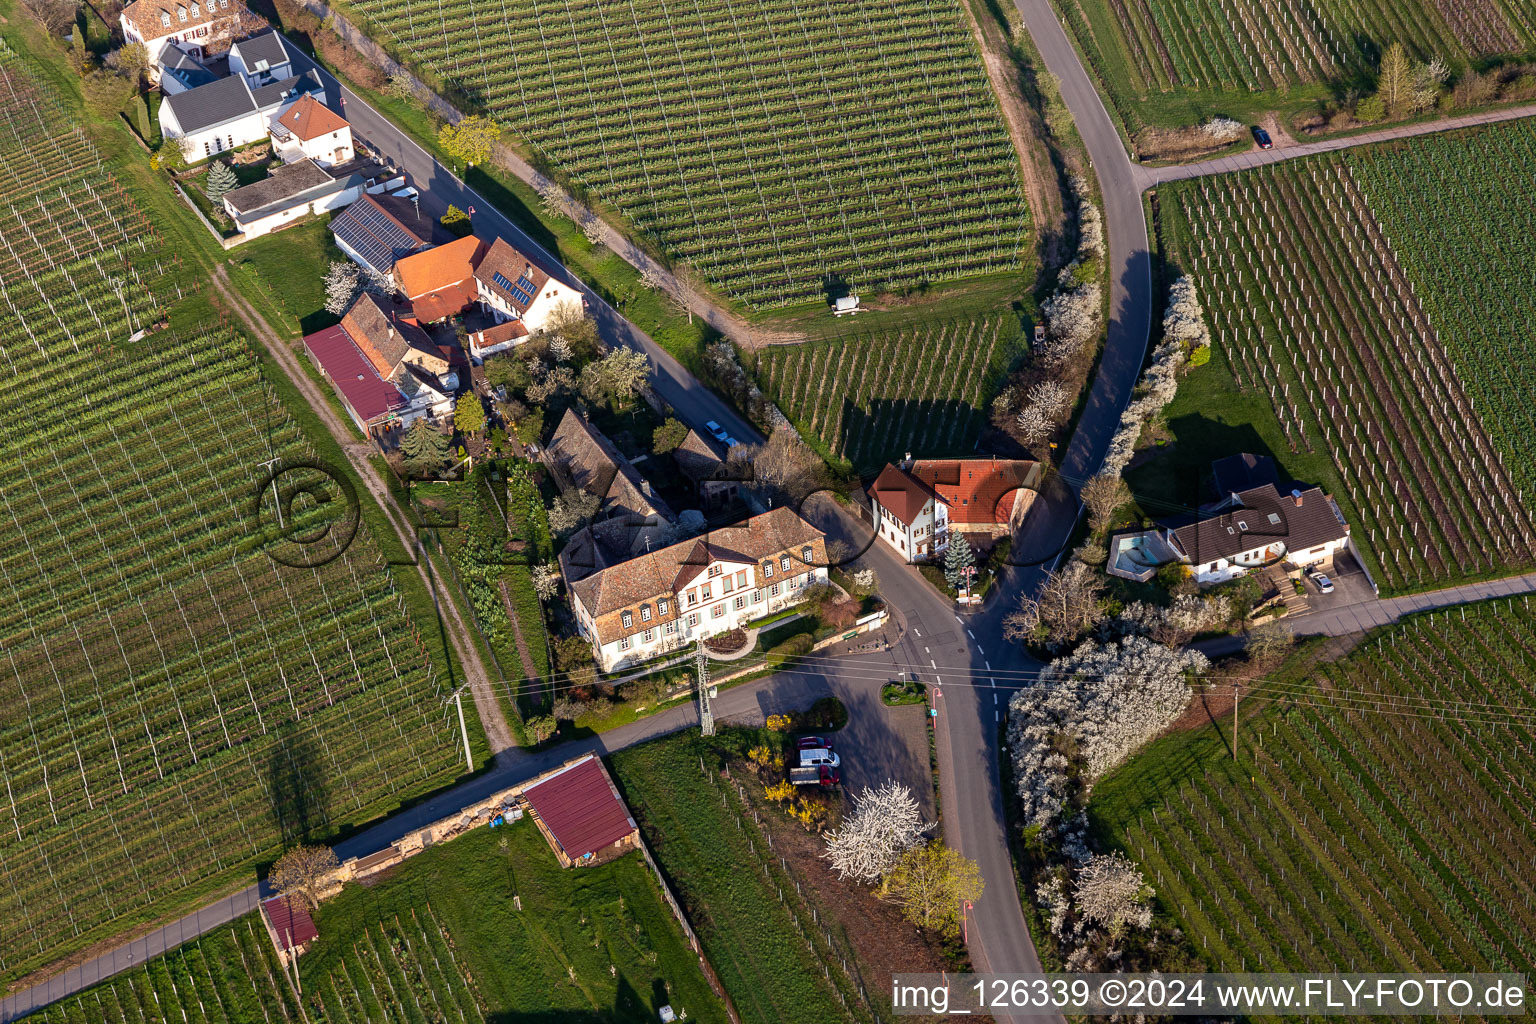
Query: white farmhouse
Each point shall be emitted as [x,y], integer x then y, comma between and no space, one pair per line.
[311,130]
[1256,527]
[229,112]
[916,505]
[512,287]
[665,599]
[202,28]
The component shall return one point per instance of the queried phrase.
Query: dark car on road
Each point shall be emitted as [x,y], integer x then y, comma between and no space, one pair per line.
[1262,138]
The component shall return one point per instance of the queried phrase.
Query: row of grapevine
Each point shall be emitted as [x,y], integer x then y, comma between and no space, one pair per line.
[174,704]
[768,144]
[1311,307]
[1377,822]
[872,398]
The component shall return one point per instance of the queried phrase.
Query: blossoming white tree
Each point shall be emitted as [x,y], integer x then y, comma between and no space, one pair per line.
[1111,892]
[885,824]
[1100,702]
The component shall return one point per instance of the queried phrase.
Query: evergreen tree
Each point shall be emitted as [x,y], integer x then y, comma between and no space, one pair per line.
[469,414]
[221,179]
[959,559]
[424,447]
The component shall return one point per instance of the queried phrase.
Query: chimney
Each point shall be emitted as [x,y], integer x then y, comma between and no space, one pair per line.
[1296,496]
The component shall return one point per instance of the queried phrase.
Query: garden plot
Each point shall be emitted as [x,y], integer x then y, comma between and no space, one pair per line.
[768,144]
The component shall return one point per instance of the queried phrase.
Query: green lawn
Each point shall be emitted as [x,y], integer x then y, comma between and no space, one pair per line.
[289,267]
[589,944]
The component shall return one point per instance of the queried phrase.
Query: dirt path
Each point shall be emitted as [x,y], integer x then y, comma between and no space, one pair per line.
[497,734]
[536,688]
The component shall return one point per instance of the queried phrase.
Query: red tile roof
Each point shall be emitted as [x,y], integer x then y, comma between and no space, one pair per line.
[509,330]
[309,119]
[362,389]
[581,808]
[440,268]
[976,490]
[443,302]
[290,920]
[900,494]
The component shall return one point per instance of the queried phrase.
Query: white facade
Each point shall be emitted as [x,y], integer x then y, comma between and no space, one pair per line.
[327,150]
[549,299]
[723,596]
[927,537]
[269,219]
[206,142]
[194,26]
[1219,570]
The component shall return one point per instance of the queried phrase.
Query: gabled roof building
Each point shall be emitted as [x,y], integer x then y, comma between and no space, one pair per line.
[918,504]
[378,230]
[202,28]
[512,286]
[664,599]
[440,281]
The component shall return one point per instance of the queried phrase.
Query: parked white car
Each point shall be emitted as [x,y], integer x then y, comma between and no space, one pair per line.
[816,758]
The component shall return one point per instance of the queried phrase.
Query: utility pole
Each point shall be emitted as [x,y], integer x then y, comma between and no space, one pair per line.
[458,699]
[1237,694]
[268,467]
[701,668]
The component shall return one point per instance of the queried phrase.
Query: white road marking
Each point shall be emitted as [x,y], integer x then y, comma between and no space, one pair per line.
[927,651]
[970,634]
[997,716]
[989,666]
[916,631]
[994,698]
[959,620]
[935,666]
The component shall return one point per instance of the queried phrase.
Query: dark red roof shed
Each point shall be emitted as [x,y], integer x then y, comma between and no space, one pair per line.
[290,922]
[581,809]
[366,394]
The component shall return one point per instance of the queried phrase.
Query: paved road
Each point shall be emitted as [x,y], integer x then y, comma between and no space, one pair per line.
[440,187]
[1150,177]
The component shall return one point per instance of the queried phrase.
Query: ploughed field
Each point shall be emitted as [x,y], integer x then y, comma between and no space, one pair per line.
[174,704]
[768,144]
[870,398]
[1210,50]
[1377,302]
[1377,817]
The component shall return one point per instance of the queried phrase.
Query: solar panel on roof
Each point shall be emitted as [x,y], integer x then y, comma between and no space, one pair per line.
[373,236]
[501,280]
[522,296]
[525,283]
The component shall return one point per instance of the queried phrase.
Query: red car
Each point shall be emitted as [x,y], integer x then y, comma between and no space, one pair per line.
[814,743]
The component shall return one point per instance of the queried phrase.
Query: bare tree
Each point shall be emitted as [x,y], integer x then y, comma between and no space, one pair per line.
[1268,642]
[784,465]
[885,824]
[303,872]
[572,510]
[1068,606]
[1104,495]
[55,15]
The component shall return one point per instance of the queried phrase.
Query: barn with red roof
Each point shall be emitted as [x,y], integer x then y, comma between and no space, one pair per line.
[579,810]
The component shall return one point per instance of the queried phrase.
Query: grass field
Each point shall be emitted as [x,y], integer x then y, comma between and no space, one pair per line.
[769,146]
[1379,361]
[174,703]
[1176,63]
[871,397]
[1377,818]
[716,866]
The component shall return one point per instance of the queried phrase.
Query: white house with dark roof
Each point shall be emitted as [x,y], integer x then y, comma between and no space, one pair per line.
[513,287]
[288,193]
[180,71]
[661,600]
[261,59]
[229,112]
[378,230]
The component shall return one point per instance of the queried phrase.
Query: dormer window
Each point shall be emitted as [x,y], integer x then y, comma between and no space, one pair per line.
[627,619]
[784,563]
[645,613]
[181,13]
[767,568]
[661,607]
[805,554]
[165,18]
[196,11]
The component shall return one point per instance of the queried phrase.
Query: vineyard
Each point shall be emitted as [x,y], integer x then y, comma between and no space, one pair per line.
[769,145]
[174,704]
[1352,362]
[1242,47]
[764,942]
[1378,818]
[871,398]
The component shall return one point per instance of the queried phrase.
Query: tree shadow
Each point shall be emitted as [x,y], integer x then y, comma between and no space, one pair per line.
[296,786]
